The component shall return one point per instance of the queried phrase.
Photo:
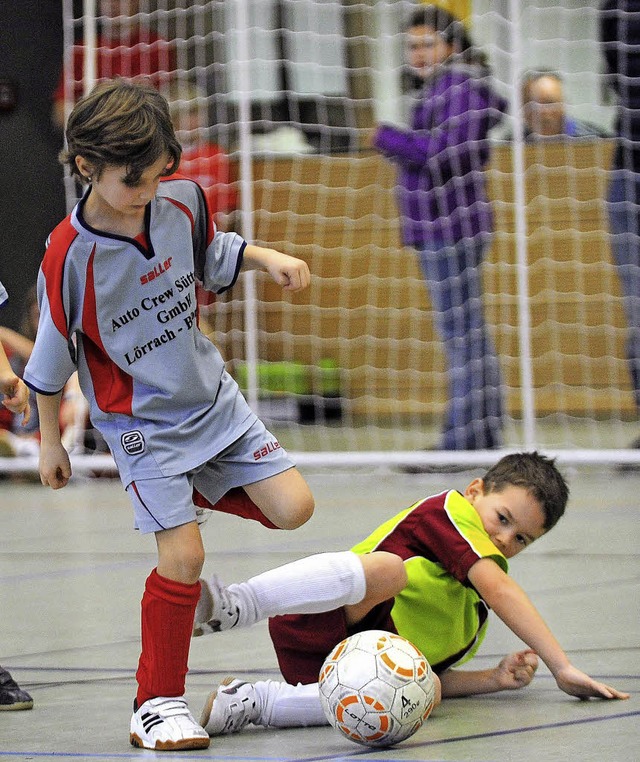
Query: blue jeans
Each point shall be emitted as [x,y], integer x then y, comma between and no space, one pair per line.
[473,419]
[624,223]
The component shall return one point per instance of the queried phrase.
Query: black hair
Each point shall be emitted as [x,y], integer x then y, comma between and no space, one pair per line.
[538,475]
[532,75]
[450,29]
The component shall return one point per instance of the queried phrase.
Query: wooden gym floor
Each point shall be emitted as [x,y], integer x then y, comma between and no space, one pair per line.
[72,572]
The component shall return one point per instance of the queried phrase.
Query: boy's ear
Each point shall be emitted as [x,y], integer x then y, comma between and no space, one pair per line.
[84,167]
[474,489]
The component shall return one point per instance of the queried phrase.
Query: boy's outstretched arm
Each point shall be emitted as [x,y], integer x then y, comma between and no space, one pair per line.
[514,671]
[55,467]
[512,605]
[289,272]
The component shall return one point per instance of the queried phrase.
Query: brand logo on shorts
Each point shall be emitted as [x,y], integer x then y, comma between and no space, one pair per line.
[266,450]
[132,442]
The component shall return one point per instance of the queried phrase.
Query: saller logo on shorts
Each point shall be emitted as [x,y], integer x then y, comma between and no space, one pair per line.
[268,448]
[132,442]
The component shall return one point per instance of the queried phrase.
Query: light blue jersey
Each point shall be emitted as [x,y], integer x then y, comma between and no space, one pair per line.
[123,313]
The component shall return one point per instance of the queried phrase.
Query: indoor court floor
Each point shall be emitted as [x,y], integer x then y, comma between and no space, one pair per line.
[72,572]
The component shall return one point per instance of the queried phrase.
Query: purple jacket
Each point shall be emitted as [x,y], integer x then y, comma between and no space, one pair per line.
[441,186]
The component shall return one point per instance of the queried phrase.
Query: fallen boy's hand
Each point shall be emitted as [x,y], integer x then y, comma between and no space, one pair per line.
[517,670]
[577,683]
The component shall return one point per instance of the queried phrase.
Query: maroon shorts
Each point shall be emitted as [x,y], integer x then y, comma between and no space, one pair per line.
[303,641]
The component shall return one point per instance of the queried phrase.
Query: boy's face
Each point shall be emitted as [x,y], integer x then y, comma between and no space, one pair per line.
[112,194]
[512,518]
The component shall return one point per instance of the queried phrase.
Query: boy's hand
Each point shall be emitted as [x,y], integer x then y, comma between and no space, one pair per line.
[55,466]
[577,683]
[16,398]
[516,670]
[290,273]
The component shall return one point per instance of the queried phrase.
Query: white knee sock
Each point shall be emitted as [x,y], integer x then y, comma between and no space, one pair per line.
[311,585]
[281,705]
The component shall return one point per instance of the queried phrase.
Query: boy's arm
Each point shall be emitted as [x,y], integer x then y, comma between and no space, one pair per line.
[515,671]
[55,467]
[512,605]
[289,272]
[16,393]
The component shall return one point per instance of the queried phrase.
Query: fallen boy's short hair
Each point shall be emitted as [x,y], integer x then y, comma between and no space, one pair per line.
[538,475]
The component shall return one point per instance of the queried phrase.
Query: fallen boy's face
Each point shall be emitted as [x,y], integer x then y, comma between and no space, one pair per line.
[512,518]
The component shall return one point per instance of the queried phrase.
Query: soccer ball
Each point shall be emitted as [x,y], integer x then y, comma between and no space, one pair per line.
[376,688]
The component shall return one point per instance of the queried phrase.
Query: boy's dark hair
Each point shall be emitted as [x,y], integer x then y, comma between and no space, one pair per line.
[535,473]
[123,124]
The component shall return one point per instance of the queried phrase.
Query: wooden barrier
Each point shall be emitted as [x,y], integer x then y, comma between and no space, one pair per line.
[368,307]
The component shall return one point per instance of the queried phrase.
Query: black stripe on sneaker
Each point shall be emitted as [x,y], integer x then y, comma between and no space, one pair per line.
[150,721]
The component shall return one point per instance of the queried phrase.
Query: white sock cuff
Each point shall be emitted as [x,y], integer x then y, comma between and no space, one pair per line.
[353,570]
[289,706]
[318,583]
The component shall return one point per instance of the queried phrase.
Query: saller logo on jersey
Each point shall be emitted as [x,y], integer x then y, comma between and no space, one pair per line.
[132,442]
[157,270]
[268,448]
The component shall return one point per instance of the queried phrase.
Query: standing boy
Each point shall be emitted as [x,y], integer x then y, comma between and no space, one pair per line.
[453,550]
[117,303]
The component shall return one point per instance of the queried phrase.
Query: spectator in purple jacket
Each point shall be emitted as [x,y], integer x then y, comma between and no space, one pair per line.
[446,215]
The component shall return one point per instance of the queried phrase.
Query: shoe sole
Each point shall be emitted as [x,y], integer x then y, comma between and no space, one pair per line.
[184,744]
[16,707]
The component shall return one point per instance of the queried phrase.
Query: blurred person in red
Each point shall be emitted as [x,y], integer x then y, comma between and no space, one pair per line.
[208,164]
[203,160]
[126,46]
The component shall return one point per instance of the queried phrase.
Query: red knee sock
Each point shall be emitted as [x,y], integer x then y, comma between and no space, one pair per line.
[236,502]
[168,608]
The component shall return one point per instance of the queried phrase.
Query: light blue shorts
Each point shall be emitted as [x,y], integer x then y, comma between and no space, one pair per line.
[167,502]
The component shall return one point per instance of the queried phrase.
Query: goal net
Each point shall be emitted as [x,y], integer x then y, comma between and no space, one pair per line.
[277,103]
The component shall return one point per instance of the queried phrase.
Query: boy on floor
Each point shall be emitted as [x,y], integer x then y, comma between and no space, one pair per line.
[431,574]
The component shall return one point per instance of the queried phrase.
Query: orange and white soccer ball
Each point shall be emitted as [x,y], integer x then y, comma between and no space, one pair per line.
[376,688]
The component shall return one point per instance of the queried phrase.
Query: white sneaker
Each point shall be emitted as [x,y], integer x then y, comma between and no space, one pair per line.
[165,724]
[216,610]
[230,707]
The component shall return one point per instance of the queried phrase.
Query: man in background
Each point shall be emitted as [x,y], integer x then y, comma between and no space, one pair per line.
[545,112]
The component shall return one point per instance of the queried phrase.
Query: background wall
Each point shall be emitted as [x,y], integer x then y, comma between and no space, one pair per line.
[31,191]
